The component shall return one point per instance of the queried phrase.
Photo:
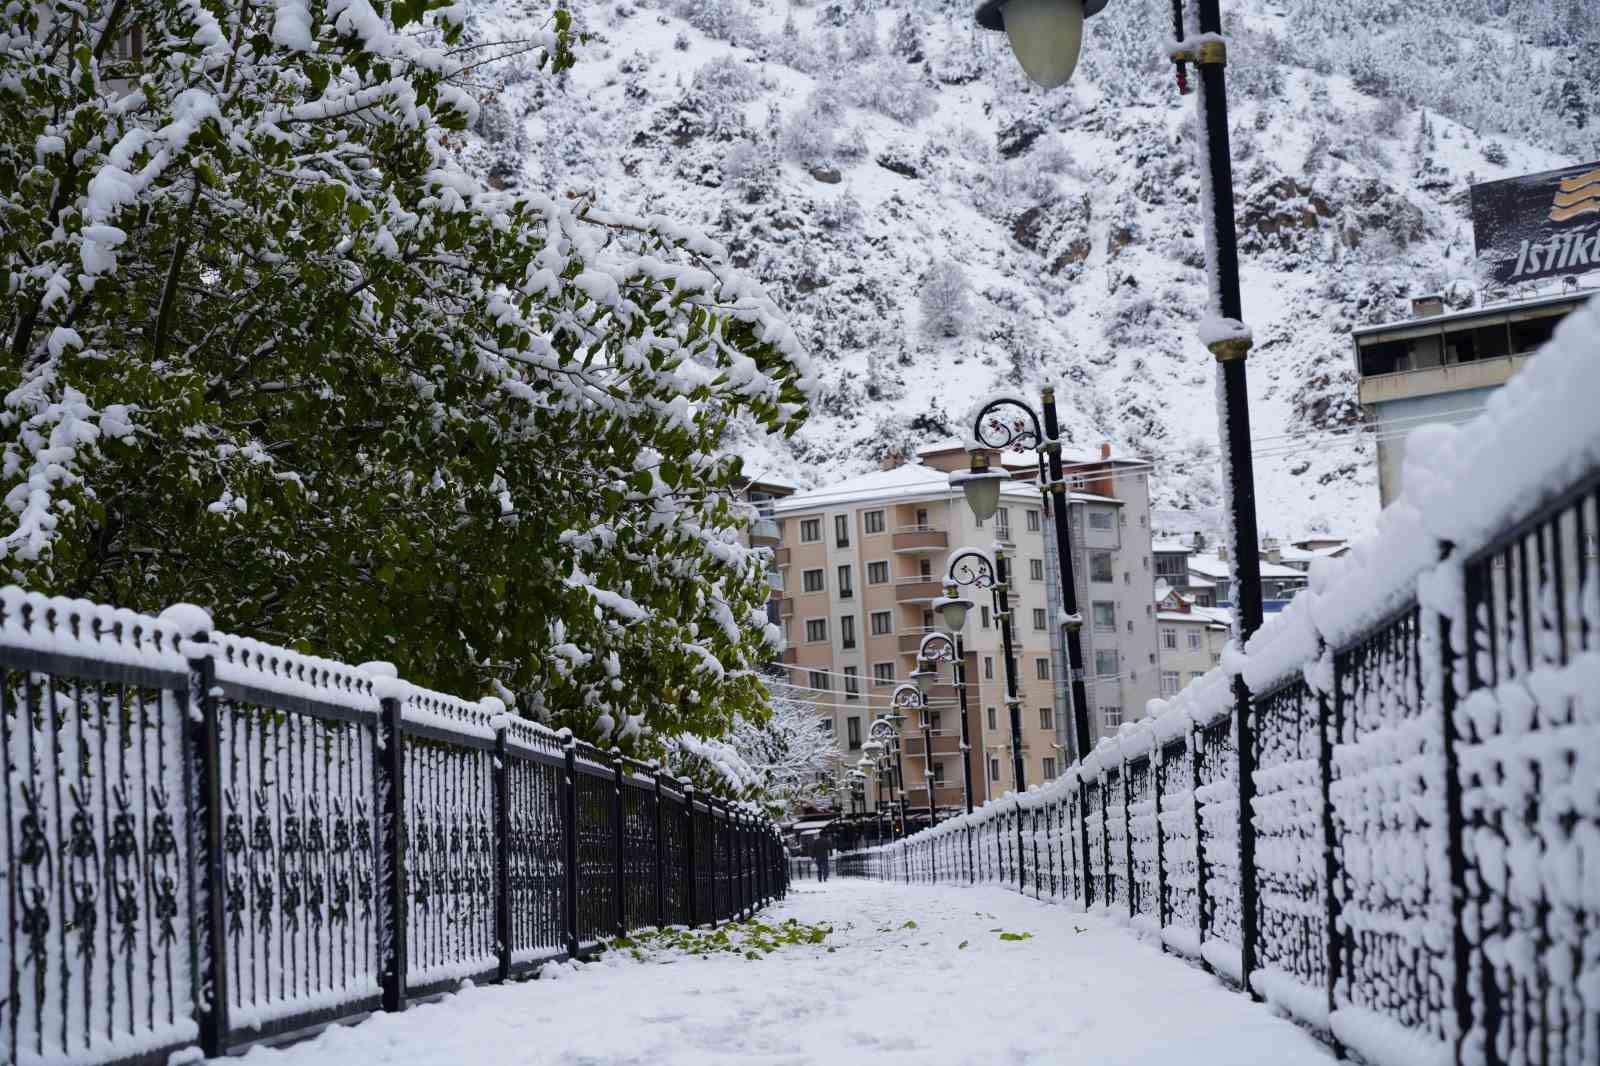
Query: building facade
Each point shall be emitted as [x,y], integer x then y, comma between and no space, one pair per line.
[1189,638]
[861,563]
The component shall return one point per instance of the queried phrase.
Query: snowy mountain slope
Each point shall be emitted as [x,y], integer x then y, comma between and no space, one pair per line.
[936,228]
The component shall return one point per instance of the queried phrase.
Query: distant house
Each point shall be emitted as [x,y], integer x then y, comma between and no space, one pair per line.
[1189,638]
[1279,583]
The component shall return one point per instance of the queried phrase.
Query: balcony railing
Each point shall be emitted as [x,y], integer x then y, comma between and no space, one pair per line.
[917,589]
[920,539]
[764,530]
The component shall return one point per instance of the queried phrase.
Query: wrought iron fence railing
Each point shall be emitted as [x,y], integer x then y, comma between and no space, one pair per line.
[213,841]
[1417,875]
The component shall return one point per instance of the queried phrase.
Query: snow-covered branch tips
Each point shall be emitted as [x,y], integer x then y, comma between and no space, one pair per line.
[275,349]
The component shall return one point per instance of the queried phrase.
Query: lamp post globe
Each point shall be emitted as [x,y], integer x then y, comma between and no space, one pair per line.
[980,484]
[1046,35]
[924,676]
[952,608]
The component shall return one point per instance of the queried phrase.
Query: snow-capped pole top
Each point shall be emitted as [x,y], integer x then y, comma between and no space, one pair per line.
[1215,331]
[386,683]
[189,620]
[1191,46]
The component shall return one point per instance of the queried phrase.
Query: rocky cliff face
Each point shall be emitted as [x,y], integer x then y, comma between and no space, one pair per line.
[936,228]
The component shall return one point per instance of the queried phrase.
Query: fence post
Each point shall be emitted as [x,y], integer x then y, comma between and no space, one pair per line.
[1454,816]
[208,888]
[690,863]
[502,848]
[1201,905]
[1330,865]
[1245,756]
[619,841]
[1127,836]
[661,856]
[393,890]
[1083,839]
[711,880]
[1158,776]
[569,840]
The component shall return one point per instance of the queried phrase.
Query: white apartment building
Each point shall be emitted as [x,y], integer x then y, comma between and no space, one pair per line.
[1189,638]
[861,563]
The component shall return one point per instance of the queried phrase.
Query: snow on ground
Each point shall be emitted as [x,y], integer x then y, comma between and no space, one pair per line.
[945,990]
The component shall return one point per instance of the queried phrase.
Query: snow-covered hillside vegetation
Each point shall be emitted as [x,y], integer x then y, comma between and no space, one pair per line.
[935,227]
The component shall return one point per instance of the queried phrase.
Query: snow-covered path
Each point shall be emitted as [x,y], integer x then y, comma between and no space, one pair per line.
[944,991]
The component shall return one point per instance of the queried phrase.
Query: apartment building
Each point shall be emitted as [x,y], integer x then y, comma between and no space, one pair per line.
[1189,638]
[861,562]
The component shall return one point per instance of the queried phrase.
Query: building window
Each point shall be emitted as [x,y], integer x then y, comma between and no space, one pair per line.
[1047,719]
[1033,520]
[812,581]
[994,768]
[883,673]
[1105,616]
[988,670]
[1041,669]
[852,728]
[1194,640]
[936,722]
[1169,638]
[1002,524]
[983,616]
[1101,519]
[1195,675]
[841,530]
[852,683]
[810,530]
[1172,566]
[1039,619]
[878,573]
[1111,716]
[1169,682]
[882,623]
[992,725]
[1049,768]
[1036,568]
[1105,662]
[873,521]
[819,680]
[816,630]
[938,772]
[1100,567]
[826,726]
[1216,658]
[846,584]
[847,630]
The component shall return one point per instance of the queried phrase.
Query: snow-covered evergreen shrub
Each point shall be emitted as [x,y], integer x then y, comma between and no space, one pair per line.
[889,87]
[945,300]
[810,135]
[723,19]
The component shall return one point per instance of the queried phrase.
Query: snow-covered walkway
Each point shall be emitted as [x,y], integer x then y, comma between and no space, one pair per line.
[910,975]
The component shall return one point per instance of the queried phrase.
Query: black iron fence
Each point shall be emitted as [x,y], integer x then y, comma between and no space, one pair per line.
[214,841]
[1417,878]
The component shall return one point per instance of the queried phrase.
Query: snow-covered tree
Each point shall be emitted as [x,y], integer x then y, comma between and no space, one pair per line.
[945,300]
[784,760]
[272,349]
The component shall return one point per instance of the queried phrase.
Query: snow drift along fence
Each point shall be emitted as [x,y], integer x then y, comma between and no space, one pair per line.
[1417,878]
[212,841]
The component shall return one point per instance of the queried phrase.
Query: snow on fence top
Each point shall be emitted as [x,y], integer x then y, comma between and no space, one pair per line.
[61,626]
[1464,484]
[244,661]
[425,707]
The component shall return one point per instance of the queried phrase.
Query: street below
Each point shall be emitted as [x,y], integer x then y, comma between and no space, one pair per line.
[924,975]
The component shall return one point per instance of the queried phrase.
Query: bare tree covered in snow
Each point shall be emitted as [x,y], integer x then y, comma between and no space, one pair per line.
[783,762]
[946,305]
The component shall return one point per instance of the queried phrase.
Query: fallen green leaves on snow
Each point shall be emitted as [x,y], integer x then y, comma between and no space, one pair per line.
[753,939]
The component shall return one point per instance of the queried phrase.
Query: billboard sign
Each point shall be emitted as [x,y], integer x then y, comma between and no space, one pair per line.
[1539,225]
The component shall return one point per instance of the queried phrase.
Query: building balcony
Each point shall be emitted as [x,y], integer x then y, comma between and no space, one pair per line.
[913,539]
[911,637]
[780,556]
[943,743]
[789,657]
[764,532]
[775,580]
[786,607]
[918,589]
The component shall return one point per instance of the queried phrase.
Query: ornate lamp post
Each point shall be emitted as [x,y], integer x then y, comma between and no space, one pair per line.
[972,568]
[886,731]
[1046,34]
[1009,422]
[921,678]
[939,648]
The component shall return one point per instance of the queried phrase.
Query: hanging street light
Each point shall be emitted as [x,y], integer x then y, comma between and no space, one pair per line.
[1222,331]
[981,485]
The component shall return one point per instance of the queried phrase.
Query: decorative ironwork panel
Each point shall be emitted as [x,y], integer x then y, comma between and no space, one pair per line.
[1142,827]
[1388,805]
[597,846]
[1290,865]
[704,866]
[299,844]
[1094,825]
[1218,799]
[1175,779]
[1116,862]
[1529,758]
[537,858]
[97,855]
[1071,832]
[449,862]
[639,851]
[674,844]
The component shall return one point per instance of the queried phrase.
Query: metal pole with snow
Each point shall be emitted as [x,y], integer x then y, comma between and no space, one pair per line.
[1046,36]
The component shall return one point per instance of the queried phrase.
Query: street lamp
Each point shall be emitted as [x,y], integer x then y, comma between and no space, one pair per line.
[1010,422]
[886,731]
[974,568]
[1046,35]
[912,697]
[1222,331]
[939,648]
